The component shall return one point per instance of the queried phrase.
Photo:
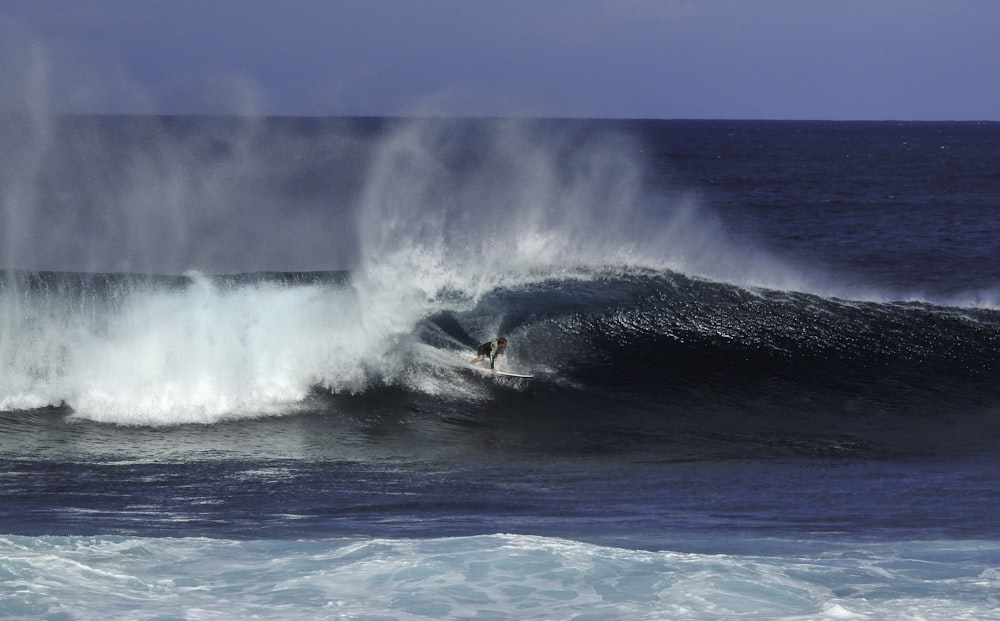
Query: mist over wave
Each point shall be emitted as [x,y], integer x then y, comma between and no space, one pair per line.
[472,203]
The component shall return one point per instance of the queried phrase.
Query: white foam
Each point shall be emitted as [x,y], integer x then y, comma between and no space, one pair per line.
[499,576]
[212,350]
[195,354]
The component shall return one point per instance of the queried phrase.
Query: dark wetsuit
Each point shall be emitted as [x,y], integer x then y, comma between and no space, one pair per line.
[491,350]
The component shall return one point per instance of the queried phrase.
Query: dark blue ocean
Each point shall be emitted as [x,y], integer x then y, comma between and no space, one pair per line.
[766,360]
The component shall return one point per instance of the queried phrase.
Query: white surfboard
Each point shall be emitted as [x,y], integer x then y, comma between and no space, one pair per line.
[498,372]
[486,371]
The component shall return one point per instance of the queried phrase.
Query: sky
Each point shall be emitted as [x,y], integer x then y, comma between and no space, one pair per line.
[735,59]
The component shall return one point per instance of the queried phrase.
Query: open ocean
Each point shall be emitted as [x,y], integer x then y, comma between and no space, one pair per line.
[766,354]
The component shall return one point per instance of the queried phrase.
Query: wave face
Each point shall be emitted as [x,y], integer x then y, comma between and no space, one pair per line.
[638,358]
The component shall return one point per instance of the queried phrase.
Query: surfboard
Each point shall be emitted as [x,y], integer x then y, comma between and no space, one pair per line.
[522,375]
[484,371]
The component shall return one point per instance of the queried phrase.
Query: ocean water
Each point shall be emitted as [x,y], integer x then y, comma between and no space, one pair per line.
[765,355]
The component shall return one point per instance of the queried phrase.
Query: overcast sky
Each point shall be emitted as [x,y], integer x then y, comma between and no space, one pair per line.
[775,59]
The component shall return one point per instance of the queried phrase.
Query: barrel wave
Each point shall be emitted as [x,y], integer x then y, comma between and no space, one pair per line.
[707,369]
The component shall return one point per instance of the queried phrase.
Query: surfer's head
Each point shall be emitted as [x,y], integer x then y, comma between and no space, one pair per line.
[502,342]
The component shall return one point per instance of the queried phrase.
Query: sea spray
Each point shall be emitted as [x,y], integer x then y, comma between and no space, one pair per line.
[489,198]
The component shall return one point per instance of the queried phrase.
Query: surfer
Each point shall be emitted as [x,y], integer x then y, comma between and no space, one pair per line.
[493,349]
